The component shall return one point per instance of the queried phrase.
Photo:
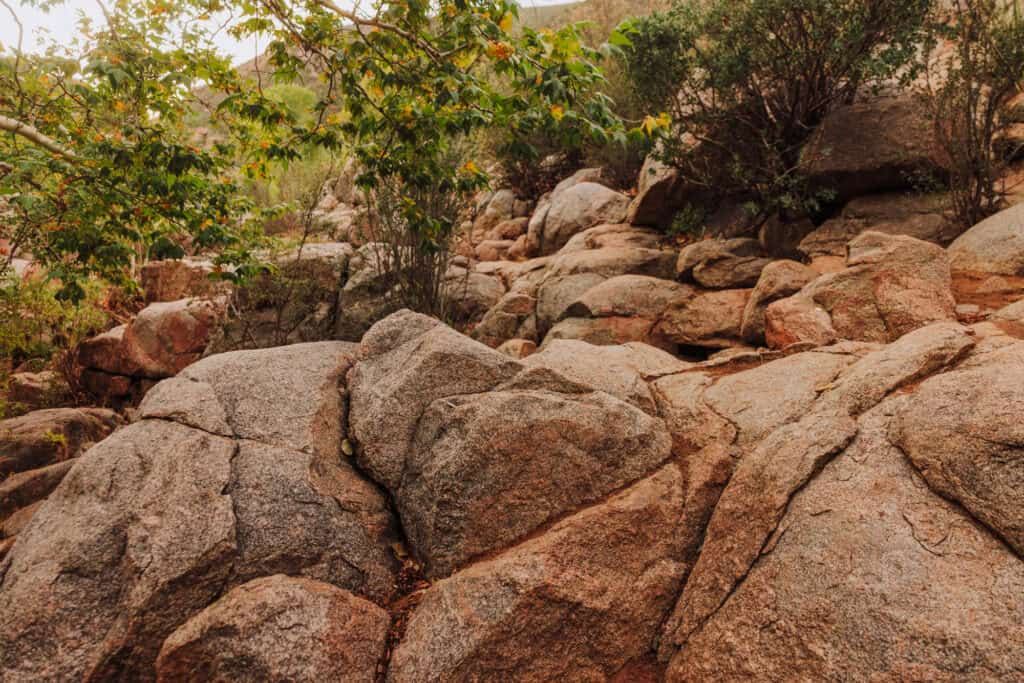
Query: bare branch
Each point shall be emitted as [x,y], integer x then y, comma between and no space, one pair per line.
[33,135]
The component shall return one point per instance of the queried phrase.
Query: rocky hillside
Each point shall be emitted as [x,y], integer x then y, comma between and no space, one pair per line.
[792,457]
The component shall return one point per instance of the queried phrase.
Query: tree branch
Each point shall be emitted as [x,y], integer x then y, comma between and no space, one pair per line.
[33,135]
[382,26]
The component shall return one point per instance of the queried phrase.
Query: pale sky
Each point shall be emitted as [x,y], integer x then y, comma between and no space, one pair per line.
[59,24]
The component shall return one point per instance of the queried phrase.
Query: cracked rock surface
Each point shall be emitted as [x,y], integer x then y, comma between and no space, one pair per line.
[844,512]
[161,519]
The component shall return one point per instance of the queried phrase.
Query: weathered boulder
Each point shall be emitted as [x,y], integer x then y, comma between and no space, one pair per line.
[172,280]
[235,471]
[578,603]
[760,400]
[163,339]
[877,145]
[278,628]
[577,208]
[486,470]
[615,370]
[612,235]
[964,432]
[621,309]
[45,437]
[25,488]
[661,192]
[779,279]
[922,217]
[722,264]
[710,319]
[479,450]
[571,275]
[868,576]
[166,337]
[629,296]
[891,285]
[996,245]
[535,228]
[408,362]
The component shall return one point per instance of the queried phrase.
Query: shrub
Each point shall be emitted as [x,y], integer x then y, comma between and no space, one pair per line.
[36,325]
[967,94]
[747,82]
[413,266]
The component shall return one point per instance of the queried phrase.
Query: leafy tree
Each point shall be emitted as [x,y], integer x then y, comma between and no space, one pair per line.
[747,81]
[405,81]
[967,93]
[98,173]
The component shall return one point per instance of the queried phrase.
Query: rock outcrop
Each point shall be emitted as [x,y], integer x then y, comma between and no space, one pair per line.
[595,513]
[994,246]
[891,285]
[877,145]
[235,471]
[275,629]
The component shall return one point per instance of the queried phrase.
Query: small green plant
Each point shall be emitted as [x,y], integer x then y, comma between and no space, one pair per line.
[688,221]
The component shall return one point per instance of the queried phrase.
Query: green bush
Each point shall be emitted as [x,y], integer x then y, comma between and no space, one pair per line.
[35,323]
[968,93]
[746,83]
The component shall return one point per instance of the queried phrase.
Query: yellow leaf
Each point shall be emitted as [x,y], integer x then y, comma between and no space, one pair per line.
[649,124]
[558,112]
[506,22]
[664,120]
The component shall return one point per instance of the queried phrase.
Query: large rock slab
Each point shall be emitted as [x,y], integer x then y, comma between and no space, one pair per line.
[891,285]
[759,400]
[409,361]
[617,370]
[996,245]
[478,450]
[279,628]
[486,470]
[578,603]
[877,145]
[45,437]
[964,432]
[868,576]
[228,476]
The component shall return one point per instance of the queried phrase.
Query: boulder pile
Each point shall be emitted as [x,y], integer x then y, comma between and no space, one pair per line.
[420,507]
